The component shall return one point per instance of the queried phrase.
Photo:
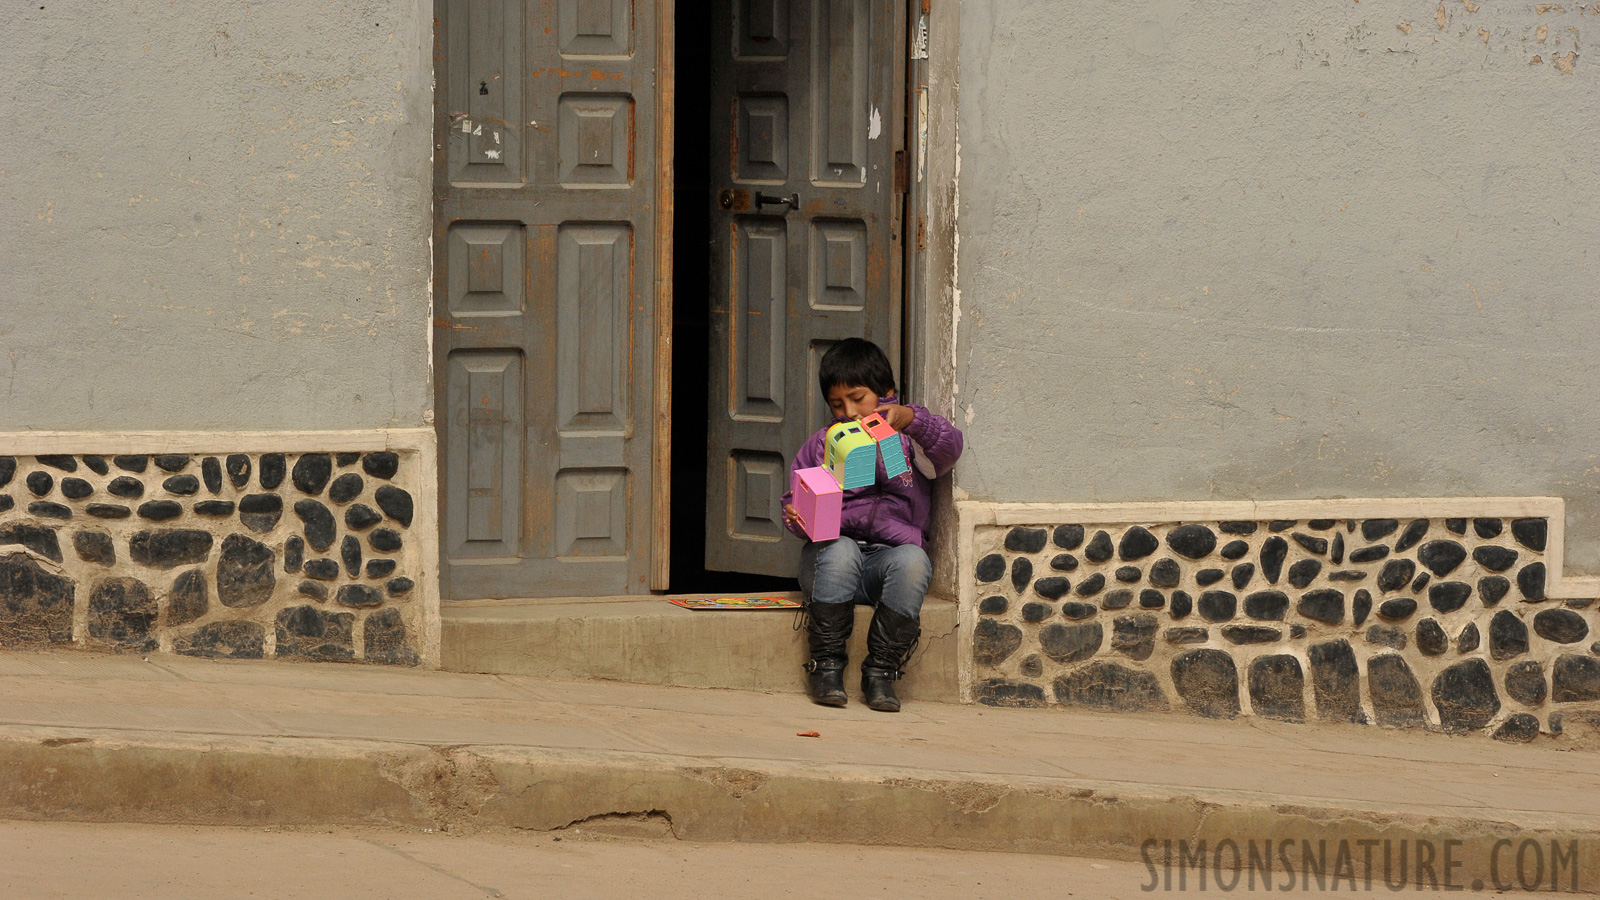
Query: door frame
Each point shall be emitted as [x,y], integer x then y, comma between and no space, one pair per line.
[933,296]
[924,279]
[925,96]
[660,565]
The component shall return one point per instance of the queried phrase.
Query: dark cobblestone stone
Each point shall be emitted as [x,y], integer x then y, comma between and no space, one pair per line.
[1360,607]
[225,640]
[1414,533]
[1387,636]
[1018,540]
[1137,543]
[1335,681]
[1518,728]
[386,640]
[1525,683]
[1508,636]
[1465,696]
[384,464]
[122,613]
[1267,605]
[1021,567]
[35,604]
[993,642]
[1493,589]
[1326,605]
[170,548]
[309,633]
[38,538]
[1108,685]
[1277,688]
[1208,682]
[1068,537]
[1052,588]
[1099,549]
[1134,636]
[1002,692]
[1071,643]
[1034,612]
[1396,695]
[1117,599]
[172,462]
[246,572]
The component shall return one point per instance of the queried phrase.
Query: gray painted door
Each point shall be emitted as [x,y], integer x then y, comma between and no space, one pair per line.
[803,106]
[543,294]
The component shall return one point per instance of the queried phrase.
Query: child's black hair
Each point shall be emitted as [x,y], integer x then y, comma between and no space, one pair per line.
[852,362]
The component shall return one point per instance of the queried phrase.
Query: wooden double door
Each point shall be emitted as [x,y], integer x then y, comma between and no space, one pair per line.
[552,342]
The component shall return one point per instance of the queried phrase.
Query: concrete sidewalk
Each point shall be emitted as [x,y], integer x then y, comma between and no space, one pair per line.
[98,738]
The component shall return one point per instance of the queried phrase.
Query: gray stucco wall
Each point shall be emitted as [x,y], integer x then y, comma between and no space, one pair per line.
[215,215]
[1280,250]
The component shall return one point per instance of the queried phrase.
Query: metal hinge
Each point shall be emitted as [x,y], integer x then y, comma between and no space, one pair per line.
[902,175]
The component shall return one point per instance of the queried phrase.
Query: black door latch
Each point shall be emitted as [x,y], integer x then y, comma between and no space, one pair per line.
[792,201]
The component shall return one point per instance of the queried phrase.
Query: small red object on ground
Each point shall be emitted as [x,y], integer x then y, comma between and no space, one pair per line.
[808,734]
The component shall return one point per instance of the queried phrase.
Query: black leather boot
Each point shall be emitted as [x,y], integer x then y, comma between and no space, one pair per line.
[828,633]
[890,641]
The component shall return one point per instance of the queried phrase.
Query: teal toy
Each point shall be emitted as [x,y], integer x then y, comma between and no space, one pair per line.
[889,444]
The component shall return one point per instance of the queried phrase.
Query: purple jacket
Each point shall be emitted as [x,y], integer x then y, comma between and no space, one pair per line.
[893,510]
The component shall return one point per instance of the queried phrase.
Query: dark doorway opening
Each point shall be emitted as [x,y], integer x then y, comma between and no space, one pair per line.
[691,323]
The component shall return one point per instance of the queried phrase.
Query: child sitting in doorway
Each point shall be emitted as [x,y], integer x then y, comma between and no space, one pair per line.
[878,557]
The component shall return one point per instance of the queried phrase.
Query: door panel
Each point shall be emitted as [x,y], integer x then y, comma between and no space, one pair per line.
[484,445]
[484,43]
[596,29]
[803,96]
[594,295]
[761,263]
[594,132]
[545,295]
[840,74]
[763,139]
[838,265]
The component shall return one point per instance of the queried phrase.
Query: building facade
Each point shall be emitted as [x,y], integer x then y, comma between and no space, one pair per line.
[319,317]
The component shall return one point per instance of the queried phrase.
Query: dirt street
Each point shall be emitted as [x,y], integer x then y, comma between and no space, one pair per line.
[129,862]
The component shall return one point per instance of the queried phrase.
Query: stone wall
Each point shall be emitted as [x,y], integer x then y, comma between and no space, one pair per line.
[242,555]
[1443,623]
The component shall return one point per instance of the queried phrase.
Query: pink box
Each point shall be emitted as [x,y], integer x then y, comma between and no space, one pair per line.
[819,500]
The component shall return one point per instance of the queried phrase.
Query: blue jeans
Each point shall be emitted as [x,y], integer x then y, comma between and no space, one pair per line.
[843,571]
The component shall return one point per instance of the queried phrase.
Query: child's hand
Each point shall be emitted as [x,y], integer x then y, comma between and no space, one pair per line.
[791,516]
[896,415]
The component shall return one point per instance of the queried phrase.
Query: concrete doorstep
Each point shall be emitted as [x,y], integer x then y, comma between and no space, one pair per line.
[646,640]
[122,739]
